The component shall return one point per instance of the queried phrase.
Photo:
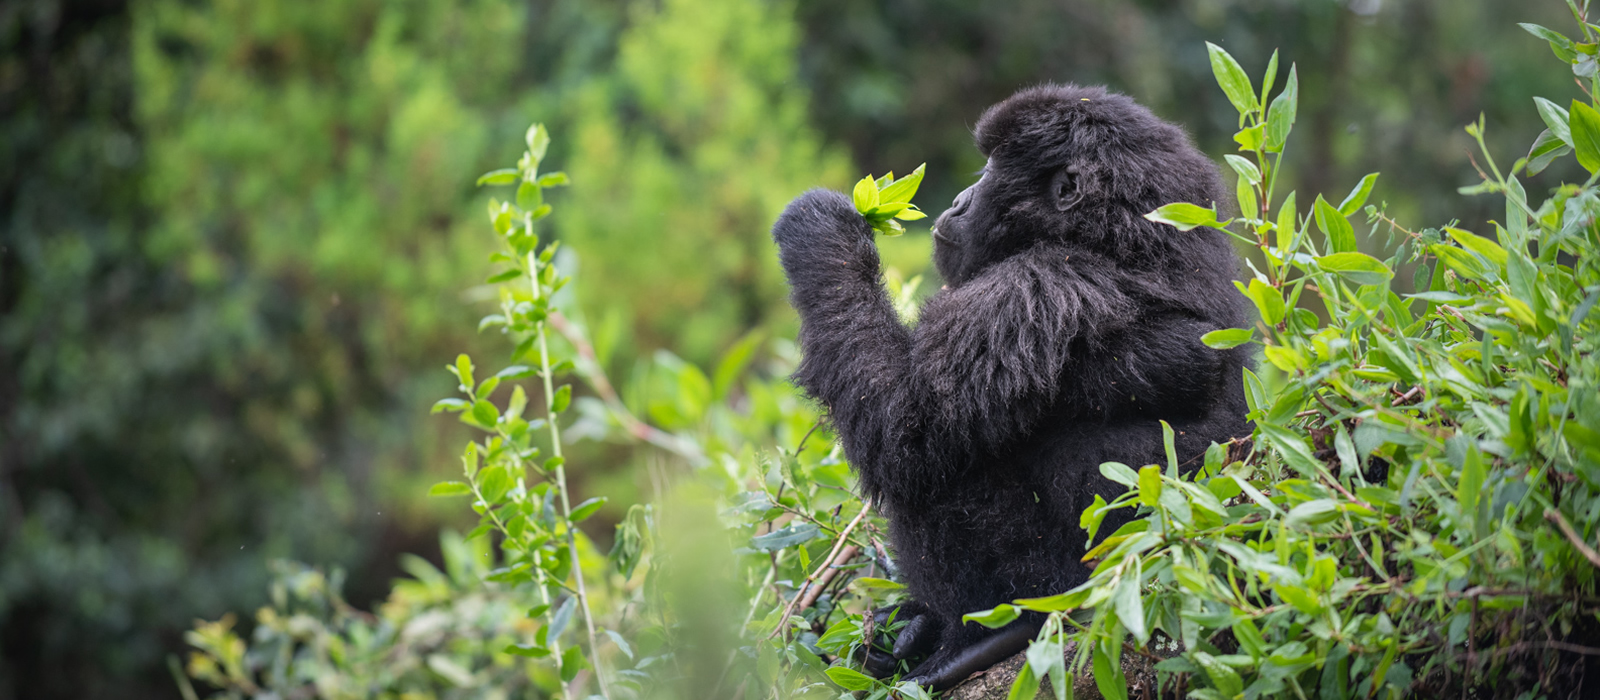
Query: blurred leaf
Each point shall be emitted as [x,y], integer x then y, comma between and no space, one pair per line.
[1359,268]
[1584,123]
[450,488]
[586,509]
[503,176]
[1358,196]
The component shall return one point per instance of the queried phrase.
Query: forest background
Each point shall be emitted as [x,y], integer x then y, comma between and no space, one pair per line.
[239,239]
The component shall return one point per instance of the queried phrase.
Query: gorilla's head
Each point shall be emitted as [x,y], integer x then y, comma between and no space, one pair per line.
[1074,164]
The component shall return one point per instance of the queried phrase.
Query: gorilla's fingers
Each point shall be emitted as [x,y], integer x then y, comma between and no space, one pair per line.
[917,637]
[879,664]
[944,672]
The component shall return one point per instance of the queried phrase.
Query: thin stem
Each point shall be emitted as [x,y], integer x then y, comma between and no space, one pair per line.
[561,482]
[844,536]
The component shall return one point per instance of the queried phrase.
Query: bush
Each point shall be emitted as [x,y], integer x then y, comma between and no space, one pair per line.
[1412,514]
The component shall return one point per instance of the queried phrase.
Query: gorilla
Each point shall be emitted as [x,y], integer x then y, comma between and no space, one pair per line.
[1068,327]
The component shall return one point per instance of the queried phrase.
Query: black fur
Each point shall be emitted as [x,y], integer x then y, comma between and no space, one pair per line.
[1069,325]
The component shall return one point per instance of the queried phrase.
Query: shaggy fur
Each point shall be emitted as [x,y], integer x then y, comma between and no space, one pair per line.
[1069,325]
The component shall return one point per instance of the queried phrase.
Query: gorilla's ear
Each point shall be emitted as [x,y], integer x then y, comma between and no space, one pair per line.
[1067,187]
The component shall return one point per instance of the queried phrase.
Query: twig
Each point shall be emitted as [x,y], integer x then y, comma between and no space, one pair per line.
[1583,548]
[815,592]
[844,536]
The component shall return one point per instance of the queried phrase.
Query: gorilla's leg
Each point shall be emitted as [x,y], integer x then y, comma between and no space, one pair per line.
[952,664]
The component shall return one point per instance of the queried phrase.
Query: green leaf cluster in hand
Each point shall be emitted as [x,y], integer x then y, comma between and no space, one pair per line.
[885,201]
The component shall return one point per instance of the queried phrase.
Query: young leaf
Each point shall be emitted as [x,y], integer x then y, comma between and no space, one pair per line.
[1281,115]
[450,488]
[503,176]
[1227,338]
[1233,80]
[1358,196]
[1359,268]
[1185,216]
[1244,168]
[1341,238]
[1545,150]
[587,508]
[1555,118]
[903,189]
[865,194]
[1584,122]
[562,399]
[994,618]
[1120,473]
[849,679]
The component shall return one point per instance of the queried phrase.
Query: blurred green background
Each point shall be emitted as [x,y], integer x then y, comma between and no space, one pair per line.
[239,238]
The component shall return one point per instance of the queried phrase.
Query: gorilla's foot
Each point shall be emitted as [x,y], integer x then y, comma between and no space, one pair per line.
[916,637]
[953,664]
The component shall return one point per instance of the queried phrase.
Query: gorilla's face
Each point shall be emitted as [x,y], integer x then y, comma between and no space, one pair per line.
[1001,213]
[962,232]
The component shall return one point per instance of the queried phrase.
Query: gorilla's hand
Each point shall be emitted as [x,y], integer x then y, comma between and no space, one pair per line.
[918,635]
[820,236]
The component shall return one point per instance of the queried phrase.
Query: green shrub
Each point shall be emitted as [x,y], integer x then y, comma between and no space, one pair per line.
[1412,514]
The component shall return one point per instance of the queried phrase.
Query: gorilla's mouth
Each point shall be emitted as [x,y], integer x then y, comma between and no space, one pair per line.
[942,237]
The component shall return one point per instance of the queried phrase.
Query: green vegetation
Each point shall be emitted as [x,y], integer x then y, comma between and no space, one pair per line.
[240,239]
[1413,512]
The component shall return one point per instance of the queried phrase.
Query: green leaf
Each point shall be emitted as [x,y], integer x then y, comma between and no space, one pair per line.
[1269,77]
[1225,679]
[1026,686]
[1584,123]
[1555,118]
[562,400]
[1186,216]
[538,139]
[452,405]
[849,679]
[484,414]
[1317,512]
[494,484]
[865,194]
[586,509]
[503,176]
[1244,168]
[1120,473]
[450,488]
[1249,138]
[1545,150]
[1288,224]
[1281,115]
[1233,80]
[1227,338]
[1560,45]
[1490,250]
[1108,675]
[786,537]
[1341,238]
[508,275]
[572,662]
[463,372]
[1150,485]
[903,189]
[553,463]
[1129,607]
[1359,268]
[555,179]
[869,583]
[1268,300]
[531,651]
[1471,483]
[1358,196]
[993,618]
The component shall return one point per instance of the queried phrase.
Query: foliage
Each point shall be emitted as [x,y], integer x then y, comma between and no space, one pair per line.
[886,199]
[1413,512]
[686,153]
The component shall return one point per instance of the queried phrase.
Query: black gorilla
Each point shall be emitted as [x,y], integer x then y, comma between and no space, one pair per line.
[1068,327]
